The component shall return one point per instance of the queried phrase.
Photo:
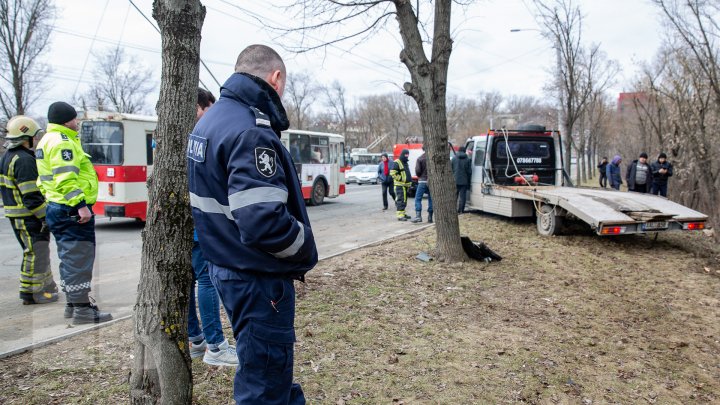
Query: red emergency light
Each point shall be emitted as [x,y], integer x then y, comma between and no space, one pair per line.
[694,226]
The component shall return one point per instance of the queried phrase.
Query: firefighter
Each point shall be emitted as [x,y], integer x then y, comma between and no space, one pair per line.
[252,224]
[70,185]
[25,208]
[402,179]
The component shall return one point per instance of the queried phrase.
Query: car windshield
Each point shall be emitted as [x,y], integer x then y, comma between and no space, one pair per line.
[358,168]
[369,169]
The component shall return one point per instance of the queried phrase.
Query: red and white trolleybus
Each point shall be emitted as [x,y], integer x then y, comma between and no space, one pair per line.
[121,149]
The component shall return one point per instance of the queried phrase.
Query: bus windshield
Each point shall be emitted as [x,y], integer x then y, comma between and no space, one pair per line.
[307,149]
[103,141]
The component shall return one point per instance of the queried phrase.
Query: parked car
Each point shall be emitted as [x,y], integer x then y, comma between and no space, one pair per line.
[362,174]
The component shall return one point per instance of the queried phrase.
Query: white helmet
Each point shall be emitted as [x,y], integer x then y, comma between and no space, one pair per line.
[20,126]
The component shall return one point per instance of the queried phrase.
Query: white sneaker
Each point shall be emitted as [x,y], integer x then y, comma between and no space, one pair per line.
[197,349]
[226,356]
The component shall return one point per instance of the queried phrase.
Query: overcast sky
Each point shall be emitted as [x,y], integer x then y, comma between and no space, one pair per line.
[486,55]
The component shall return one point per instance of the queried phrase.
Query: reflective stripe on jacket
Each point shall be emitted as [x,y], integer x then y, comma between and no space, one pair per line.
[18,175]
[401,174]
[66,175]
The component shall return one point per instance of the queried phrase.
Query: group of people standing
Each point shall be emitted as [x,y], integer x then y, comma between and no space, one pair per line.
[52,190]
[396,179]
[640,176]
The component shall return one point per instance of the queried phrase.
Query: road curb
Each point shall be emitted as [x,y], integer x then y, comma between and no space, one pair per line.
[114,321]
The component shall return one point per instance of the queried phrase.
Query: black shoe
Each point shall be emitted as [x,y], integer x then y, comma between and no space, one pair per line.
[430,215]
[407,216]
[402,219]
[41,298]
[89,313]
[385,209]
[69,310]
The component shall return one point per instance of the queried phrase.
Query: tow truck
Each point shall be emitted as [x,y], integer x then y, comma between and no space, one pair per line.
[519,173]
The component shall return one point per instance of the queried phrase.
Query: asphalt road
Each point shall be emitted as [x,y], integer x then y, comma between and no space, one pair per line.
[340,224]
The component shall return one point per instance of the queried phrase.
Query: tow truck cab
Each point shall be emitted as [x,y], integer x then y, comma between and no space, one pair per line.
[524,157]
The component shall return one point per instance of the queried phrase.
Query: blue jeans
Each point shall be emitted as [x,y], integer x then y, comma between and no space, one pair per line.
[422,189]
[262,312]
[75,248]
[208,302]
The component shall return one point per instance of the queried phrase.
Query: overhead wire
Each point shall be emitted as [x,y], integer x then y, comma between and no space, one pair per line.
[87,57]
[158,30]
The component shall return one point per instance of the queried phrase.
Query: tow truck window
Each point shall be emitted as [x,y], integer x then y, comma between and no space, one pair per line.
[103,141]
[480,156]
[522,148]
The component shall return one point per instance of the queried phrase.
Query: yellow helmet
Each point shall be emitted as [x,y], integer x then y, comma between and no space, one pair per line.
[20,126]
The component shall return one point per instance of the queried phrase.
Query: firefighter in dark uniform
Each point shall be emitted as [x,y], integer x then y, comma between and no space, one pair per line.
[251,222]
[25,208]
[402,179]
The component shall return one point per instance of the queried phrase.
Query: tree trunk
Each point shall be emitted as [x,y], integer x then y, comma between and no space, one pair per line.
[428,88]
[162,371]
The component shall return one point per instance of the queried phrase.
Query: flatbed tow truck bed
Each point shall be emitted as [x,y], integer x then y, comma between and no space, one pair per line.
[608,211]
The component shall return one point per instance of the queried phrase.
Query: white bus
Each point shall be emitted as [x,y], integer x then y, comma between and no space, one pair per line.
[318,157]
[121,150]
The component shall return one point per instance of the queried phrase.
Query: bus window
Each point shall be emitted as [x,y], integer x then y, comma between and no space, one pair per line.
[103,141]
[150,148]
[320,149]
[333,153]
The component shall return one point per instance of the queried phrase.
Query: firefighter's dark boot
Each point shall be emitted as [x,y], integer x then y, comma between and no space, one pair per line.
[69,310]
[417,219]
[40,298]
[430,220]
[89,313]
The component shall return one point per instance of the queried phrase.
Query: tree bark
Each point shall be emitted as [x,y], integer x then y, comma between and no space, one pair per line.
[429,89]
[162,371]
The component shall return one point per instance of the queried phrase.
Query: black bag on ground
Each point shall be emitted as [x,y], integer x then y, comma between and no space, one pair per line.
[478,251]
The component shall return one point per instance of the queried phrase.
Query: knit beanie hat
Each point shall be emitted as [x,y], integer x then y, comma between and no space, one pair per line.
[662,155]
[61,112]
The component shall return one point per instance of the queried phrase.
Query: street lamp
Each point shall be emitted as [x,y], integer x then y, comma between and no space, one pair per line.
[559,80]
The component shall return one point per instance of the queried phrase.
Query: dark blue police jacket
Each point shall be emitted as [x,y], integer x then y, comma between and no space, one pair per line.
[246,199]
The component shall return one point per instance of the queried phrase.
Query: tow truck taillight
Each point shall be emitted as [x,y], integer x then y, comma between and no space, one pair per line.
[694,226]
[612,230]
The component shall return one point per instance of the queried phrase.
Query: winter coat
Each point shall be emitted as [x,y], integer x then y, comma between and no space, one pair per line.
[421,168]
[462,169]
[661,178]
[613,175]
[632,171]
[247,203]
[384,179]
[603,168]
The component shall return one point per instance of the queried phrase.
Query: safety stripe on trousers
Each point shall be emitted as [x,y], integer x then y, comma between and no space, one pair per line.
[295,246]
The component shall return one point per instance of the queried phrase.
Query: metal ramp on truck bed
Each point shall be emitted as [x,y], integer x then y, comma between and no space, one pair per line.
[609,212]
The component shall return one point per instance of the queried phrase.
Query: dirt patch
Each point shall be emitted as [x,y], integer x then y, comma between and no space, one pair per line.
[569,319]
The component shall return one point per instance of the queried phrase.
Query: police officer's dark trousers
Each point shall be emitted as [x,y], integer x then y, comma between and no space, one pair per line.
[35,274]
[76,250]
[262,312]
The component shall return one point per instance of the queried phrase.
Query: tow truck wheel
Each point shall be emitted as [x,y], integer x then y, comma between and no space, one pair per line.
[548,222]
[318,193]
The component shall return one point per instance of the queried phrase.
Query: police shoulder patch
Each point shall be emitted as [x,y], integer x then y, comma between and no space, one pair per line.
[261,119]
[66,154]
[39,154]
[266,161]
[197,146]
[64,137]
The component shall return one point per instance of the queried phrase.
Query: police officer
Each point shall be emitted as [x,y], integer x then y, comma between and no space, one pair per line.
[70,185]
[402,179]
[25,208]
[252,224]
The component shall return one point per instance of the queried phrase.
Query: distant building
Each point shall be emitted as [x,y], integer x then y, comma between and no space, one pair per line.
[626,102]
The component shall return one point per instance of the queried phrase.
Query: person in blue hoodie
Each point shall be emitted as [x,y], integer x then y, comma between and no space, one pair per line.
[613,172]
[386,181]
[252,224]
